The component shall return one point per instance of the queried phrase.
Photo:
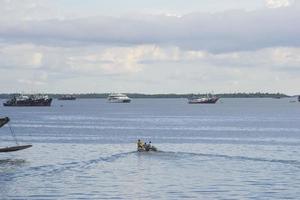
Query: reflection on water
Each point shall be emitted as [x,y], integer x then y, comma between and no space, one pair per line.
[9,166]
[12,162]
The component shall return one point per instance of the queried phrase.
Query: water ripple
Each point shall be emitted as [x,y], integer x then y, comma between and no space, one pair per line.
[294,163]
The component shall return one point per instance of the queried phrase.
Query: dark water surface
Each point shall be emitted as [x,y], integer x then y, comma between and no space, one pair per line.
[84,149]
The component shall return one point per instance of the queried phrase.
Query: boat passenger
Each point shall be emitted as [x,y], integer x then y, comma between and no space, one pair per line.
[147,146]
[140,144]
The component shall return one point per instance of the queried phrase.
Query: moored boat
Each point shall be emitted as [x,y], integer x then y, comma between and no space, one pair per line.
[31,100]
[118,98]
[209,99]
[67,97]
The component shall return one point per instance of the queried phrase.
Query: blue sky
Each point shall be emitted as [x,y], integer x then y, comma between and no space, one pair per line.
[156,46]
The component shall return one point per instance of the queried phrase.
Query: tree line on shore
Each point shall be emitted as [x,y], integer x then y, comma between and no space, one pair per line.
[171,95]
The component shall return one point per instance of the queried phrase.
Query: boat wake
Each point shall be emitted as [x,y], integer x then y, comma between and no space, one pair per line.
[294,163]
[50,170]
[79,166]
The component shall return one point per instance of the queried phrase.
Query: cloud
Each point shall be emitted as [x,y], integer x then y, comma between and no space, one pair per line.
[11,10]
[146,68]
[106,60]
[230,51]
[25,56]
[30,82]
[278,3]
[222,32]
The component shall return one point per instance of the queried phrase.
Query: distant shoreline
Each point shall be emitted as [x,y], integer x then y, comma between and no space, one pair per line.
[139,95]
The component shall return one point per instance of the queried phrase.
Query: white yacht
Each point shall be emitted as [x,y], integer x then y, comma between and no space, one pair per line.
[118,98]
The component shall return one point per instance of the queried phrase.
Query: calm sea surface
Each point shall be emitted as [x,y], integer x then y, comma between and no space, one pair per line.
[85,149]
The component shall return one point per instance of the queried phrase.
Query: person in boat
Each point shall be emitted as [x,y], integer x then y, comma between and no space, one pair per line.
[140,144]
[148,146]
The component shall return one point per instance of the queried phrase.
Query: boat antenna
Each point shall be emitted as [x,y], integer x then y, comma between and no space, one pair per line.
[13,134]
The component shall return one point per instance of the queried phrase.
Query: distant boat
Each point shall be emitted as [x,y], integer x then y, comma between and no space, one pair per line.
[67,97]
[209,99]
[298,98]
[118,98]
[31,100]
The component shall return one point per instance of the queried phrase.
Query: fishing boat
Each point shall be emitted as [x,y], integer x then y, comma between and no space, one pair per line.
[31,100]
[208,99]
[67,97]
[118,98]
[18,147]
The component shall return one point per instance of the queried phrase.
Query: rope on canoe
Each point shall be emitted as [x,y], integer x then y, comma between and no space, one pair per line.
[13,134]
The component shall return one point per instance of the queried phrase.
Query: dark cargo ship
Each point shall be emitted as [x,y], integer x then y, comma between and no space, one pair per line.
[32,100]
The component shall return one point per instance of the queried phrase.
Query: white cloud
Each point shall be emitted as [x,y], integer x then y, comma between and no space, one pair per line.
[30,83]
[117,60]
[278,3]
[149,66]
[24,10]
[20,56]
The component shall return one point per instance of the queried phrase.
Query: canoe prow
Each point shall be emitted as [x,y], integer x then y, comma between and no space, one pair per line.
[14,148]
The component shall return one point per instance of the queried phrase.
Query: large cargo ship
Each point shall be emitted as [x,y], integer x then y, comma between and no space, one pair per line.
[31,100]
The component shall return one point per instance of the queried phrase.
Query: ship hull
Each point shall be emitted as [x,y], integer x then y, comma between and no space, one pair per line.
[119,101]
[26,103]
[206,101]
[67,98]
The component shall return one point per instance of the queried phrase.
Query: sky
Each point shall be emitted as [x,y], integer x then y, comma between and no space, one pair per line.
[157,46]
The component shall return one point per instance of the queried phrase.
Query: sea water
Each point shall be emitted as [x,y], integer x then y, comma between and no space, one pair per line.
[85,149]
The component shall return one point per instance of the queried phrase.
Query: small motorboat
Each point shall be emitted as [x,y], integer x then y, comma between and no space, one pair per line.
[147,149]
